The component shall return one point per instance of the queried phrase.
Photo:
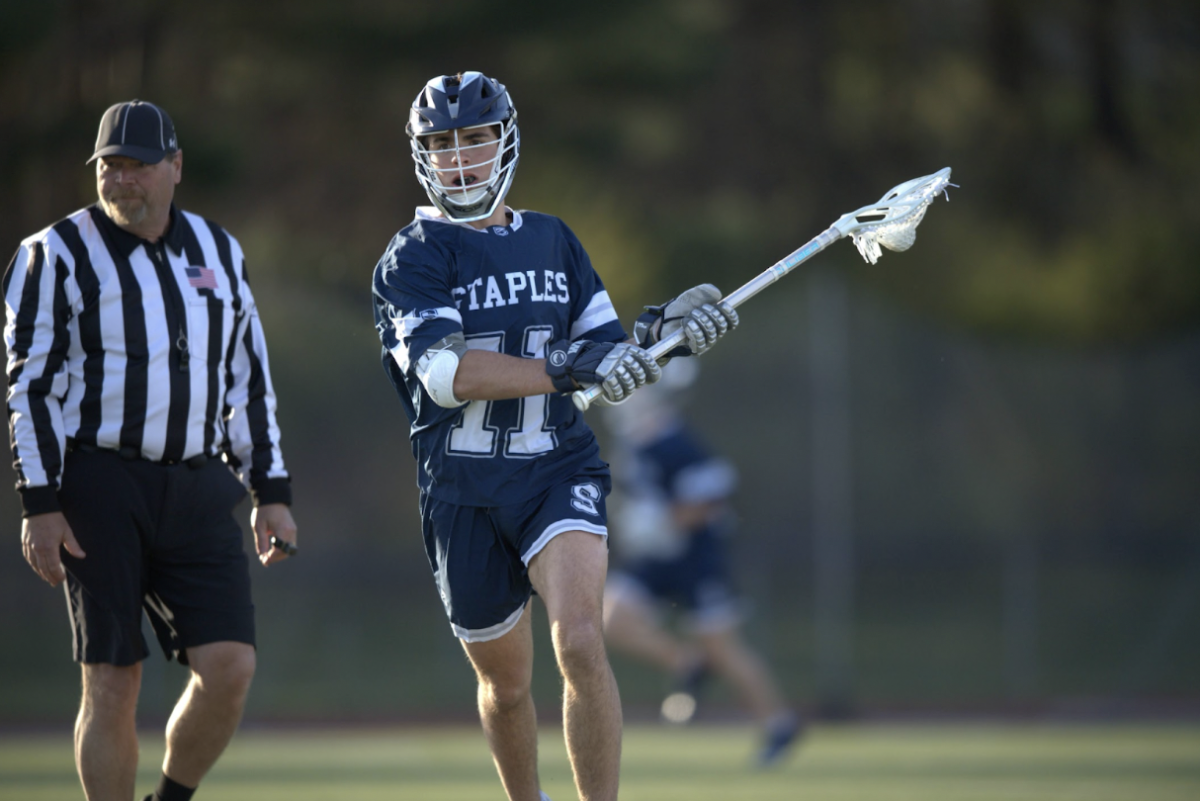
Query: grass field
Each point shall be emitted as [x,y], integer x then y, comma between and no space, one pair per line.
[927,762]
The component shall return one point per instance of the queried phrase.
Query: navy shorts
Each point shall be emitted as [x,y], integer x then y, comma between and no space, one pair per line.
[480,555]
[697,581]
[158,538]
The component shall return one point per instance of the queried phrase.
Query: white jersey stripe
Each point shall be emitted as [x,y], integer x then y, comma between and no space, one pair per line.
[598,312]
[406,324]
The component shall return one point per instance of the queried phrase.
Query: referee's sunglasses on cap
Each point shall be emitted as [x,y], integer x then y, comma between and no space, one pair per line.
[136,129]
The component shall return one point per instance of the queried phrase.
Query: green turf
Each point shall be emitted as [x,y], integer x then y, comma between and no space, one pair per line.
[707,763]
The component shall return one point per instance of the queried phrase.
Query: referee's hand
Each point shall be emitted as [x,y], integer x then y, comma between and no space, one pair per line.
[272,520]
[42,537]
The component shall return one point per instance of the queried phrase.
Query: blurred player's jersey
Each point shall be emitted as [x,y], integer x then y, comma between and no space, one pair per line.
[512,289]
[673,466]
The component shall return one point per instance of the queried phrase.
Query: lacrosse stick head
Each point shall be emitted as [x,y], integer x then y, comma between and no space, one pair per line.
[892,222]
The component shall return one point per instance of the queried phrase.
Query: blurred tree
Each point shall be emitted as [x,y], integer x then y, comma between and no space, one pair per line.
[689,140]
[723,133]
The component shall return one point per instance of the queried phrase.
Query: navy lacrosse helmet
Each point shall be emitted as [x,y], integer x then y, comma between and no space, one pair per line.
[458,103]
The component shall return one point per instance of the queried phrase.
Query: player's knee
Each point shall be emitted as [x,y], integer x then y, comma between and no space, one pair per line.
[503,692]
[225,669]
[111,689]
[579,645]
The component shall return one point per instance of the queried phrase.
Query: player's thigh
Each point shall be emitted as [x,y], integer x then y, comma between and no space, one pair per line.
[199,590]
[107,511]
[576,504]
[479,574]
[507,661]
[562,536]
[569,573]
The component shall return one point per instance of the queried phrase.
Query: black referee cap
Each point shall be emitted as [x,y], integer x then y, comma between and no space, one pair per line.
[136,129]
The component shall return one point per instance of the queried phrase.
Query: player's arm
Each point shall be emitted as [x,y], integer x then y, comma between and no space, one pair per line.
[486,375]
[37,338]
[252,427]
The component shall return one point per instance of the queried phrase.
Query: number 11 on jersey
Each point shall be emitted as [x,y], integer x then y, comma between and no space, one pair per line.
[476,436]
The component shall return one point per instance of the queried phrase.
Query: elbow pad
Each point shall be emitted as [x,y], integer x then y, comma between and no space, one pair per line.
[437,367]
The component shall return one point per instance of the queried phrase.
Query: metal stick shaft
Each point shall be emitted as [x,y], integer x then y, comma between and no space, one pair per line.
[583,398]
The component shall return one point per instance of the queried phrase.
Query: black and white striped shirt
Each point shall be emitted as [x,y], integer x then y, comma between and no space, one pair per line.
[153,348]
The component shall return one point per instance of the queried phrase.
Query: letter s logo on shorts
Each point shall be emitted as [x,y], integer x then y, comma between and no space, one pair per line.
[584,497]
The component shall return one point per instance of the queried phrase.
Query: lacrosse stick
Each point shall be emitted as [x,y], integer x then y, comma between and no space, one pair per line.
[892,223]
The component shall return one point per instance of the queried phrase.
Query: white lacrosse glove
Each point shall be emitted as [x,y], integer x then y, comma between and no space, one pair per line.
[701,313]
[619,368]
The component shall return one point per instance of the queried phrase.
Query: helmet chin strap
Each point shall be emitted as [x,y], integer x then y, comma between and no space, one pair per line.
[463,212]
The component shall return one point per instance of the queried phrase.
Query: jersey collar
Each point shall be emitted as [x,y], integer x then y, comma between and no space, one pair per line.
[126,243]
[431,214]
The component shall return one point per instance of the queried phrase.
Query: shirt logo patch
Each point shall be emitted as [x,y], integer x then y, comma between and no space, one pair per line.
[499,230]
[201,277]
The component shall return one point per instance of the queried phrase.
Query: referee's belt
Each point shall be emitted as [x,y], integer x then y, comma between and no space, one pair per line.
[131,454]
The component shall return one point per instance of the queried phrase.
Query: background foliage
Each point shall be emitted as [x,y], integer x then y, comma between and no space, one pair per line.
[1023,385]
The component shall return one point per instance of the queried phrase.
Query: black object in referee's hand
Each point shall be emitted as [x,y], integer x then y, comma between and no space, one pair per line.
[284,545]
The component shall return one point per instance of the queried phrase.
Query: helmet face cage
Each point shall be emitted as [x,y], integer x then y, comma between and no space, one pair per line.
[458,104]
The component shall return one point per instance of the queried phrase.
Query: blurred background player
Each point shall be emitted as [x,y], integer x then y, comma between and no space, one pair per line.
[669,539]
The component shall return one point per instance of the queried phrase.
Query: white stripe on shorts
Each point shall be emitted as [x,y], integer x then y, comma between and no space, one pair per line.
[554,530]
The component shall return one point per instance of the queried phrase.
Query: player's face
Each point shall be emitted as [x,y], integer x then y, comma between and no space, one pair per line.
[133,192]
[465,156]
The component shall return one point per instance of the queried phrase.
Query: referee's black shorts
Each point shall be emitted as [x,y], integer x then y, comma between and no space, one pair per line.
[160,538]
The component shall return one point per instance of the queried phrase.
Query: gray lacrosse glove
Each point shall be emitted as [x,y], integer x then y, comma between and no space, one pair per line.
[619,368]
[701,313]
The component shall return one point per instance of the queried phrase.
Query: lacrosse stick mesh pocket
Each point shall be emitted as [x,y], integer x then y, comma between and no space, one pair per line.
[898,235]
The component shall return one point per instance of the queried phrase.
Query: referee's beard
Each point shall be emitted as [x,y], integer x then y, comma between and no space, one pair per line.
[126,209]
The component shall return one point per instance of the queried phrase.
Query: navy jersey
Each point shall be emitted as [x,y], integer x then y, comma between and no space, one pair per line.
[512,289]
[677,467]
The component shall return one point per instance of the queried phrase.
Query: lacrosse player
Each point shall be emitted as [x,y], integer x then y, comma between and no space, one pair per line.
[672,521]
[489,319]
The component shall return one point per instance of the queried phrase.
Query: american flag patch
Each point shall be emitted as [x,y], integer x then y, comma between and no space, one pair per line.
[201,277]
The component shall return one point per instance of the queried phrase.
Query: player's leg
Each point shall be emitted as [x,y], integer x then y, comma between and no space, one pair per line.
[716,623]
[504,668]
[733,660]
[106,744]
[208,712]
[104,598]
[568,573]
[632,625]
[201,608]
[481,580]
[754,683]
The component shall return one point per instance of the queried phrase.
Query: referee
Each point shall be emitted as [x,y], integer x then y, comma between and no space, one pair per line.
[138,394]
